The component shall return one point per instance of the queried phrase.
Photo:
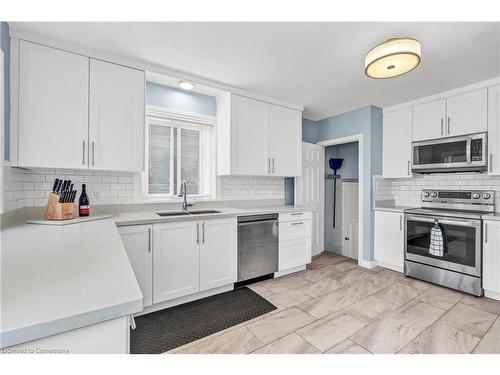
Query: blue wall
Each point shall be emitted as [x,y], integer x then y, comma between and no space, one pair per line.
[366,121]
[5,46]
[187,101]
[309,131]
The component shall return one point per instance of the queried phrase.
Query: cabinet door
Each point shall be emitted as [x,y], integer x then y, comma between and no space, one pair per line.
[175,260]
[397,136]
[217,253]
[249,137]
[116,127]
[294,253]
[389,240]
[467,113]
[494,130]
[137,241]
[53,107]
[491,256]
[429,120]
[286,141]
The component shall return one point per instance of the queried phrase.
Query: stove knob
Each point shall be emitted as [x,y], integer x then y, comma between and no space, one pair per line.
[476,195]
[486,196]
[434,195]
[426,194]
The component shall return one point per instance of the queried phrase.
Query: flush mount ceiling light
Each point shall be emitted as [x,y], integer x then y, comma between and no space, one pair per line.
[186,85]
[393,58]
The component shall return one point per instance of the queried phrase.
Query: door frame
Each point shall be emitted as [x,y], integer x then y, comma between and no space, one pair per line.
[361,204]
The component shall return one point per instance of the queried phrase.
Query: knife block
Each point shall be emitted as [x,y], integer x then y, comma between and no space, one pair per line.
[59,211]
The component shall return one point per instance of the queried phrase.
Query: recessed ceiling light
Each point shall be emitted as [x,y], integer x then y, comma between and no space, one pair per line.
[393,58]
[186,85]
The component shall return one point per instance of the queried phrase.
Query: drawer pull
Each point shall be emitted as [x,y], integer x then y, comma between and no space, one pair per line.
[297,213]
[298,223]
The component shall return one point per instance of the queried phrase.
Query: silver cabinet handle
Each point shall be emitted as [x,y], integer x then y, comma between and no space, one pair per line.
[197,233]
[273,165]
[268,165]
[149,239]
[83,157]
[92,152]
[400,223]
[203,233]
[442,124]
[132,321]
[298,223]
[485,232]
[448,126]
[297,213]
[408,167]
[491,162]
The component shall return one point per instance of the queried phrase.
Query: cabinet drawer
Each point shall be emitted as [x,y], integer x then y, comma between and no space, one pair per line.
[294,253]
[292,230]
[295,216]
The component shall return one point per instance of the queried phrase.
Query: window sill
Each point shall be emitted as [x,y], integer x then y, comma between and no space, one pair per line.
[190,199]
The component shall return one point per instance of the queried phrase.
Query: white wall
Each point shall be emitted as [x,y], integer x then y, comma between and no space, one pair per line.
[30,188]
[406,191]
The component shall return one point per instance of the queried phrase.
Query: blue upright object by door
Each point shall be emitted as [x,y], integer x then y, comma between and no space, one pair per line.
[335,164]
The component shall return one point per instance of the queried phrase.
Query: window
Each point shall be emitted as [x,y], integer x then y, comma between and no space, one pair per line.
[178,147]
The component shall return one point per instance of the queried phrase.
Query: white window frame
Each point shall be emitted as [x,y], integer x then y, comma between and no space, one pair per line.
[182,120]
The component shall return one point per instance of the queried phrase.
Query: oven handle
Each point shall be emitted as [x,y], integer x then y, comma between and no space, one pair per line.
[445,220]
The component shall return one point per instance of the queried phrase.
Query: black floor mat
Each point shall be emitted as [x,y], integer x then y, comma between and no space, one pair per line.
[167,329]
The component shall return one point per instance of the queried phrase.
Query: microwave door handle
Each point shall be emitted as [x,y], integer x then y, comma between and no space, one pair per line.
[468,150]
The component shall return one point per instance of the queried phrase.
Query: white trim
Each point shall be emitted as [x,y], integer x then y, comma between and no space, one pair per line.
[15,33]
[492,294]
[445,94]
[368,263]
[356,138]
[289,271]
[173,114]
[2,132]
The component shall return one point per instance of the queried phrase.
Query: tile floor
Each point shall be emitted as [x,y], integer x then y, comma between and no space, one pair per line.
[337,307]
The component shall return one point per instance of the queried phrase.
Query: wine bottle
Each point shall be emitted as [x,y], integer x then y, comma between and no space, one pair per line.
[83,204]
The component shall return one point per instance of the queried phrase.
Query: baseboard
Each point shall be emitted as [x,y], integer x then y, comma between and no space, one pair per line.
[185,299]
[391,266]
[289,271]
[492,295]
[368,263]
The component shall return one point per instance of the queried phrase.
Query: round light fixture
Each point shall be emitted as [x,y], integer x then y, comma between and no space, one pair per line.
[393,58]
[186,85]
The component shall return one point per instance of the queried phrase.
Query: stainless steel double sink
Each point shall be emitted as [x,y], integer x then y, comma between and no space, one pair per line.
[187,213]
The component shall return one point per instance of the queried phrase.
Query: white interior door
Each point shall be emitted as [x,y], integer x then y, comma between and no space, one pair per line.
[310,191]
[350,219]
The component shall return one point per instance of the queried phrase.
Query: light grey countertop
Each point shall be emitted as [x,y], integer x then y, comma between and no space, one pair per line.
[390,206]
[58,278]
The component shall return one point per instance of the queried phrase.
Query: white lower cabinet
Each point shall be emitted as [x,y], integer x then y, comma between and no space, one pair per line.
[218,262]
[176,260]
[389,240]
[137,240]
[295,242]
[491,259]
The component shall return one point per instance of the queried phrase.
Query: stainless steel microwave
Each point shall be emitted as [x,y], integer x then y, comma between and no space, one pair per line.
[454,154]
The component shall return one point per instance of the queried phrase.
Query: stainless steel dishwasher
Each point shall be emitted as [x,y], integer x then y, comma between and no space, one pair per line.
[257,246]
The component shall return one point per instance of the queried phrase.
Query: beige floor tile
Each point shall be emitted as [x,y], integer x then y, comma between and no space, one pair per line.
[342,266]
[288,282]
[239,341]
[490,344]
[443,298]
[483,303]
[323,259]
[441,339]
[397,329]
[290,344]
[329,303]
[322,286]
[399,293]
[289,298]
[372,307]
[468,319]
[374,284]
[351,275]
[279,324]
[347,347]
[419,284]
[332,329]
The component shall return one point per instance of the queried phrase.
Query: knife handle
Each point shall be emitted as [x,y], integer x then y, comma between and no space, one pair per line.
[54,186]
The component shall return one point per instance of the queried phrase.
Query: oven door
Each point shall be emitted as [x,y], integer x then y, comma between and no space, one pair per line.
[451,154]
[461,240]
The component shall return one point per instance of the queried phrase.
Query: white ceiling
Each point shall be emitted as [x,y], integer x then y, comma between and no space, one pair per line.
[317,65]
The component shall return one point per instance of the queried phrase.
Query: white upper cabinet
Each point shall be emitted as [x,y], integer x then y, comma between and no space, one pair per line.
[76,112]
[249,136]
[429,120]
[285,141]
[256,138]
[494,130]
[53,107]
[467,113]
[116,124]
[397,137]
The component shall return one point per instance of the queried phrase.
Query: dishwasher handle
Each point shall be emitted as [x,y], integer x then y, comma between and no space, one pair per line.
[241,224]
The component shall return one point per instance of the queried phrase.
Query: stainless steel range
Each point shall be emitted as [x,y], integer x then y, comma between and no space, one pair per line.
[443,238]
